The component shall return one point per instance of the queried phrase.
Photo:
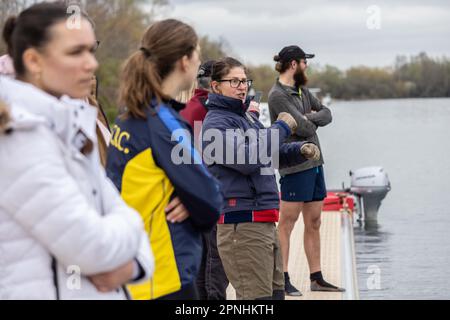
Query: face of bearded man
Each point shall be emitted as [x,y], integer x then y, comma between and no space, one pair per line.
[300,77]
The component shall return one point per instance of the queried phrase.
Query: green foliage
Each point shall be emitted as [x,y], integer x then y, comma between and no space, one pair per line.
[120,24]
[213,50]
[264,77]
[418,76]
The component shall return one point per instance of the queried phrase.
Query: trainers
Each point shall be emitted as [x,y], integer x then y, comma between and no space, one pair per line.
[326,287]
[290,289]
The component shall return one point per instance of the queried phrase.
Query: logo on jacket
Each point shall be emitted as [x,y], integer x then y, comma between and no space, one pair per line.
[117,139]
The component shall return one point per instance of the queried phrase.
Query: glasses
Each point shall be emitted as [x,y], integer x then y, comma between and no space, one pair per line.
[235,83]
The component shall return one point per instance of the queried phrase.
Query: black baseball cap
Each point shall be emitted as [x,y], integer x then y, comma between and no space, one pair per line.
[206,69]
[289,53]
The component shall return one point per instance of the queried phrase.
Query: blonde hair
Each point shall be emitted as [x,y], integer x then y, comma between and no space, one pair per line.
[187,95]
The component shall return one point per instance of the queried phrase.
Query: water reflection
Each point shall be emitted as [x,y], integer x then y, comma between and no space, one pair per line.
[410,246]
[373,259]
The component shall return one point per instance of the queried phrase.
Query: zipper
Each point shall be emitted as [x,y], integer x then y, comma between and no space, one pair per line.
[55,277]
[127,294]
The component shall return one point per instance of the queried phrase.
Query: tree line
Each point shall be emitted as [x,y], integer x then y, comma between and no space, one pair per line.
[418,76]
[119,25]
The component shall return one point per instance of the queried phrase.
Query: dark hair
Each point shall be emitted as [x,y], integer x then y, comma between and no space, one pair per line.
[204,75]
[163,44]
[282,66]
[4,117]
[223,66]
[31,29]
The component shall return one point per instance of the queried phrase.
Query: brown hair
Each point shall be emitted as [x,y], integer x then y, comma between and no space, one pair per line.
[163,44]
[223,66]
[31,29]
[282,66]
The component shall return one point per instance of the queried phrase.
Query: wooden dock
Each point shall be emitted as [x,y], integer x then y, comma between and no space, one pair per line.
[337,255]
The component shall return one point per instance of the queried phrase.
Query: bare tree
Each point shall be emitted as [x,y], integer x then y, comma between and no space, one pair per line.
[11,8]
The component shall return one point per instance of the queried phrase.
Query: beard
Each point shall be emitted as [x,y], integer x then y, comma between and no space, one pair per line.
[300,78]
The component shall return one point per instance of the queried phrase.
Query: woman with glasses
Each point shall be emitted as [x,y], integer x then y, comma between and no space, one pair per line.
[247,237]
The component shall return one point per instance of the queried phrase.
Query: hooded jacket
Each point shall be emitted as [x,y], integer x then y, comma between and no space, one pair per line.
[144,164]
[61,219]
[195,109]
[248,185]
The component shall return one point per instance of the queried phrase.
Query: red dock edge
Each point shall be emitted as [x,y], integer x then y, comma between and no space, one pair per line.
[336,201]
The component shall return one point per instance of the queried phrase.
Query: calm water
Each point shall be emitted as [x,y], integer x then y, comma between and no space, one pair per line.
[407,255]
[409,249]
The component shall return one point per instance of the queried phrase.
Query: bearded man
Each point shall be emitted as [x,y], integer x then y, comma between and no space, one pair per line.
[302,186]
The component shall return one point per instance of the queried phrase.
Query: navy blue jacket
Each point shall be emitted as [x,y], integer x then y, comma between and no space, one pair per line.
[247,185]
[142,165]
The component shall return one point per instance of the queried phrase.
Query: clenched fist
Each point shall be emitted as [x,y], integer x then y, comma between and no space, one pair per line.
[290,121]
[310,151]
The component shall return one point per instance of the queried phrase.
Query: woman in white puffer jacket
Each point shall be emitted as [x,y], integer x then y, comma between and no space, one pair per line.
[65,233]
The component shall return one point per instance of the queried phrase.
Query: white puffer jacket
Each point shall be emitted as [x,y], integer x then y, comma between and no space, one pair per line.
[59,214]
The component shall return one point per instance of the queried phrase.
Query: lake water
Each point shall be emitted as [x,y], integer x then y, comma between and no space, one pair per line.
[407,255]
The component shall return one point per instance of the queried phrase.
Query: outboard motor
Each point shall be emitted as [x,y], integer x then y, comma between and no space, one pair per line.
[370,186]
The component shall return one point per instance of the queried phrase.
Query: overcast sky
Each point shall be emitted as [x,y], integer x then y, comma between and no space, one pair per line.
[340,33]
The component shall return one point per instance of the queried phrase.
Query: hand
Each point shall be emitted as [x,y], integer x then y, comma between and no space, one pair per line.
[176,212]
[310,151]
[254,107]
[290,121]
[110,281]
[4,117]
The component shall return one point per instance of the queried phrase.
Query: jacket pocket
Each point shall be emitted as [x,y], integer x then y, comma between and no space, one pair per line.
[266,187]
[232,183]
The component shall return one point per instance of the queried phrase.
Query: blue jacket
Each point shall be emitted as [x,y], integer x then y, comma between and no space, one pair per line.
[141,165]
[243,184]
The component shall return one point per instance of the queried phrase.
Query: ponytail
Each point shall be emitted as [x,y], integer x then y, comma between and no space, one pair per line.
[8,30]
[281,66]
[163,44]
[140,84]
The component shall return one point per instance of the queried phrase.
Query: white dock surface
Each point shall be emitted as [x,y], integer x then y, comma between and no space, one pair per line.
[331,256]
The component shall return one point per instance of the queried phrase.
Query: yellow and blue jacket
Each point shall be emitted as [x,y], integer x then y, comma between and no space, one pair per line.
[142,166]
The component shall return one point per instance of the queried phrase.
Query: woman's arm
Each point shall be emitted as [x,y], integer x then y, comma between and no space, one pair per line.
[38,192]
[242,151]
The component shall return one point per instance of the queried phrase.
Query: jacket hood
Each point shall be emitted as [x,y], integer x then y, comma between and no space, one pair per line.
[30,106]
[201,93]
[218,101]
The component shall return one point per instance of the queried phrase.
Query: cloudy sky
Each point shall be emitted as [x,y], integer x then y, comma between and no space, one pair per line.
[340,33]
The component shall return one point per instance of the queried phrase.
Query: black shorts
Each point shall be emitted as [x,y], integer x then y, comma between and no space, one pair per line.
[305,186]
